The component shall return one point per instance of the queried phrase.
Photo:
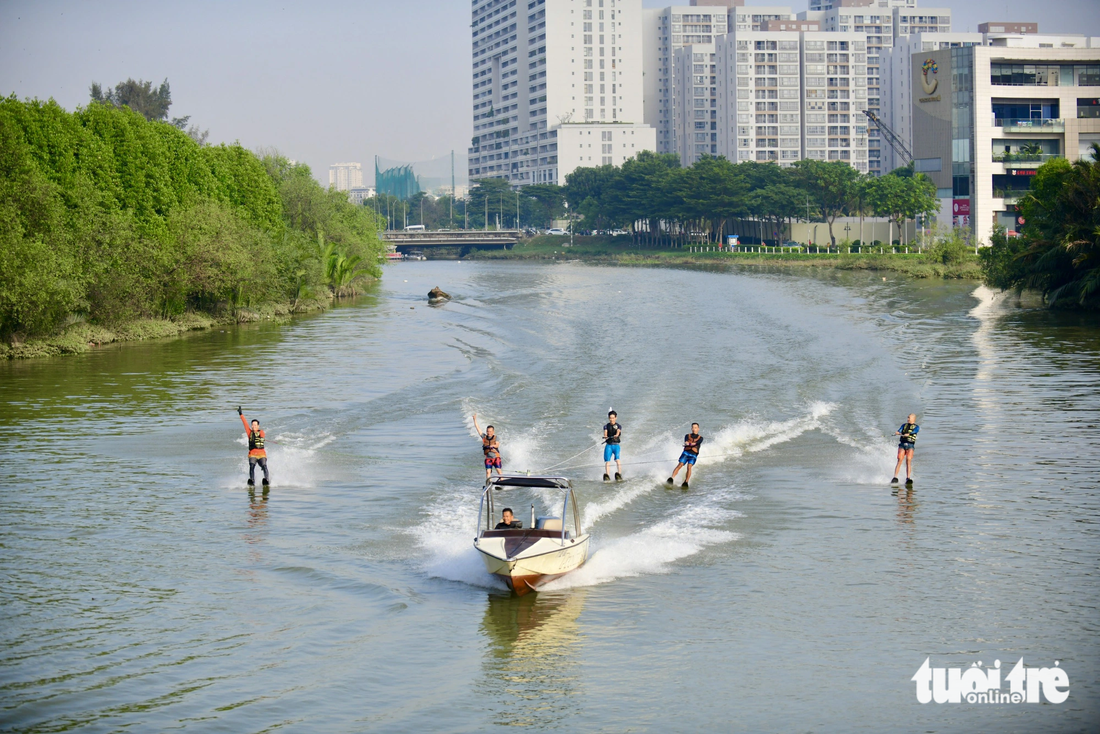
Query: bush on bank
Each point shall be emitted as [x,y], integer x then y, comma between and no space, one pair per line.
[107,218]
[1058,251]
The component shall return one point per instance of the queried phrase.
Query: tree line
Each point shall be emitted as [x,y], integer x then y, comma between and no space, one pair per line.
[662,202]
[108,216]
[1057,252]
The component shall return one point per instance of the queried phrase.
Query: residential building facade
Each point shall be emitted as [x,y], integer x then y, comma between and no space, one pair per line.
[783,96]
[666,31]
[695,111]
[883,22]
[345,176]
[542,65]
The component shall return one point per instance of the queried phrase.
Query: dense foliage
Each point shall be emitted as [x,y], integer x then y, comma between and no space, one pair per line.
[1058,250]
[107,216]
[660,201]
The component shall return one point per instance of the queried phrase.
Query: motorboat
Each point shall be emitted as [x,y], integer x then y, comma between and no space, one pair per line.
[552,544]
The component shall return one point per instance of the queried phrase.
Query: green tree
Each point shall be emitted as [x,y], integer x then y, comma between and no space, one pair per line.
[142,97]
[1058,251]
[547,203]
[489,199]
[831,186]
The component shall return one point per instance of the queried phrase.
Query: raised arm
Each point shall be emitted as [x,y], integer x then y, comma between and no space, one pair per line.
[243,419]
[476,426]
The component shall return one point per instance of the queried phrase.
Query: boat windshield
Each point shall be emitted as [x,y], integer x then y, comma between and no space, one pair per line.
[537,503]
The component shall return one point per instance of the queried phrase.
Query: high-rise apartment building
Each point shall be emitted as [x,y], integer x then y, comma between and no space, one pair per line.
[665,32]
[755,17]
[883,22]
[549,78]
[345,176]
[786,95]
[695,103]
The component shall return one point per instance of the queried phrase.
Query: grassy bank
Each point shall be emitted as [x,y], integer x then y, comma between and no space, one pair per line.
[619,251]
[81,336]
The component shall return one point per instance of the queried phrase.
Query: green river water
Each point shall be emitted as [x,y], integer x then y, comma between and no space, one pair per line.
[790,589]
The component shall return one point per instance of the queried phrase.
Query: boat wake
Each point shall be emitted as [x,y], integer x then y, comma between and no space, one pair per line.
[446,533]
[743,437]
[653,549]
[293,460]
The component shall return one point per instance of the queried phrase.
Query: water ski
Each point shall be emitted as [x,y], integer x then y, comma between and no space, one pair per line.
[908,482]
[618,477]
[606,478]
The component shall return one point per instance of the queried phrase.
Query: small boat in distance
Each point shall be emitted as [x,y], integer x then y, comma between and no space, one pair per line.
[550,547]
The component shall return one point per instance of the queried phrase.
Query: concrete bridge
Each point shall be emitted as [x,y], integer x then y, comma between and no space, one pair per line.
[468,239]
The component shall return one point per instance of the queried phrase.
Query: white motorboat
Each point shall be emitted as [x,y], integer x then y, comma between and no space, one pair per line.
[551,546]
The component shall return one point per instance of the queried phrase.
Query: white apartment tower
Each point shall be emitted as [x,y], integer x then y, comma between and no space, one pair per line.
[883,22]
[665,32]
[556,84]
[345,176]
[787,95]
[695,103]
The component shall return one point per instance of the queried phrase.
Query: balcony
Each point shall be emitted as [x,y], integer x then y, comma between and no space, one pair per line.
[1051,125]
[1011,196]
[1024,160]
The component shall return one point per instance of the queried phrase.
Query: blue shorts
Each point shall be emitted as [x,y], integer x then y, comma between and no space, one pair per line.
[906,446]
[610,451]
[688,458]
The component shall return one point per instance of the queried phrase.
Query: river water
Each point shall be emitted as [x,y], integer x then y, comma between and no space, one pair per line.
[790,588]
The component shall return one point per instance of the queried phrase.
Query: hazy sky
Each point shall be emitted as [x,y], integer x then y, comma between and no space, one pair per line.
[322,82]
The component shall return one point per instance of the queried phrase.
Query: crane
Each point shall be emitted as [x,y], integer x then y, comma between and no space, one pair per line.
[891,138]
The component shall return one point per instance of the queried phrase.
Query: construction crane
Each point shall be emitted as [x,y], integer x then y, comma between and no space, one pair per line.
[891,138]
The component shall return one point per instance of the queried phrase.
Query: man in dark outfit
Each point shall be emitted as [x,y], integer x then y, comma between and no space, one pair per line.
[692,442]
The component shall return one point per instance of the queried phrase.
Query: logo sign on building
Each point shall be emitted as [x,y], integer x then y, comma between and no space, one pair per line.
[960,207]
[928,81]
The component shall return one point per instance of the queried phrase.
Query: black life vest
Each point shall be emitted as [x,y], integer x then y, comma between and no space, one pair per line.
[255,440]
[907,434]
[692,443]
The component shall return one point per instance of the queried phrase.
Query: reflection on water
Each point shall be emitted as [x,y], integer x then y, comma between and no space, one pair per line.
[530,668]
[907,505]
[256,522]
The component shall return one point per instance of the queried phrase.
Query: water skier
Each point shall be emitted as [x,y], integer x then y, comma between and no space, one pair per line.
[612,435]
[490,446]
[908,433]
[692,442]
[256,452]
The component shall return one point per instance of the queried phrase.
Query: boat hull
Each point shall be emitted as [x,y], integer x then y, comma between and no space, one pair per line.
[537,566]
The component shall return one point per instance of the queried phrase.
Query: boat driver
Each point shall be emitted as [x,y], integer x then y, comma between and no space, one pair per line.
[507,521]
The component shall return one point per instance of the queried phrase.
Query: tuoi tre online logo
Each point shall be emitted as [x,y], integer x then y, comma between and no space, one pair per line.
[975,685]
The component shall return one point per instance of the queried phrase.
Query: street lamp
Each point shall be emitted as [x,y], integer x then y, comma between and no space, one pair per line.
[570,215]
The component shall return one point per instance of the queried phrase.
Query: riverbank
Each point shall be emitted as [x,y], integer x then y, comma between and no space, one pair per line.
[619,251]
[80,336]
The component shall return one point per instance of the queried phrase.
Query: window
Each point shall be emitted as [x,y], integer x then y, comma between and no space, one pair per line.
[1087,76]
[1024,75]
[1088,108]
